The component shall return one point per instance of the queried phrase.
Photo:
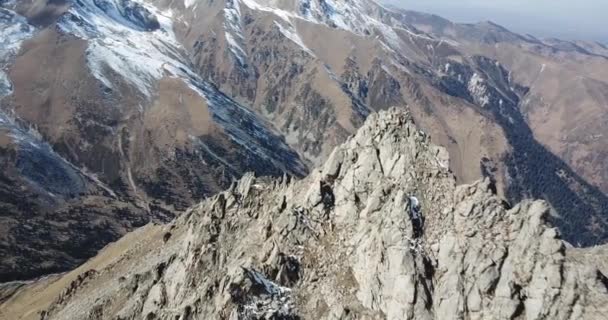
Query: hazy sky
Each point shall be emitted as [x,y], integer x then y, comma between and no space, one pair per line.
[567,19]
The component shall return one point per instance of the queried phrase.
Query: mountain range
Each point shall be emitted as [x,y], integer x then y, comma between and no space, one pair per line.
[115,113]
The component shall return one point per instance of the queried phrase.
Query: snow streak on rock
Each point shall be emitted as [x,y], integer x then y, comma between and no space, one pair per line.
[141,56]
[44,169]
[292,35]
[478,90]
[358,17]
[234,34]
[14,29]
[283,14]
[5,84]
[189,3]
[124,45]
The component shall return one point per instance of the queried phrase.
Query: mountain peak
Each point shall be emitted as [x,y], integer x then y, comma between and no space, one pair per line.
[380,231]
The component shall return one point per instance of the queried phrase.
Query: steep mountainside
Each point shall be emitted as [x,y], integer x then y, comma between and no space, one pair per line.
[381,231]
[567,99]
[90,152]
[115,112]
[370,58]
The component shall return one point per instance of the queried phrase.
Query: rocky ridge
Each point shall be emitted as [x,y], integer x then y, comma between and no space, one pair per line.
[347,242]
[472,99]
[145,107]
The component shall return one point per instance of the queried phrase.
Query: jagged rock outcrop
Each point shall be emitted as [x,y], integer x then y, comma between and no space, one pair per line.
[381,231]
[153,105]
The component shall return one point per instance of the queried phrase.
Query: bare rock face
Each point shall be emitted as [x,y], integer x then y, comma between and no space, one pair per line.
[381,231]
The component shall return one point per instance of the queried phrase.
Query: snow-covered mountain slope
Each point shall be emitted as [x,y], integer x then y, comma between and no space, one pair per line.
[124,45]
[136,42]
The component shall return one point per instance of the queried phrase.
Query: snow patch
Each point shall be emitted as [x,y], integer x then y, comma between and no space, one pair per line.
[386,70]
[189,3]
[234,33]
[117,47]
[387,48]
[14,29]
[336,13]
[389,34]
[356,16]
[478,90]
[274,302]
[283,14]
[236,49]
[418,35]
[6,87]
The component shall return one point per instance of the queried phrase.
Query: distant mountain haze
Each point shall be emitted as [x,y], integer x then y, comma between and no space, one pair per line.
[568,20]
